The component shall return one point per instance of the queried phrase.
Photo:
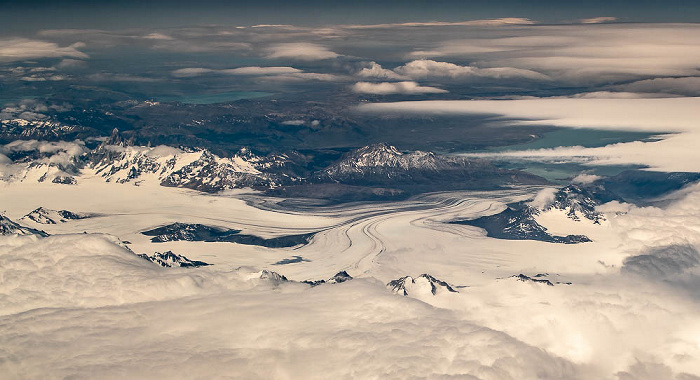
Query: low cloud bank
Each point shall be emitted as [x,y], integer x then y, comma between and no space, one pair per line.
[17,49]
[429,69]
[249,70]
[663,262]
[302,51]
[386,88]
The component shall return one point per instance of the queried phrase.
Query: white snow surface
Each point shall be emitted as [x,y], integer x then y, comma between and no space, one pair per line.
[74,304]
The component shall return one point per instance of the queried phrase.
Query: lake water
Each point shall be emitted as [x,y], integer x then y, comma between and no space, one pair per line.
[562,171]
[222,97]
[589,138]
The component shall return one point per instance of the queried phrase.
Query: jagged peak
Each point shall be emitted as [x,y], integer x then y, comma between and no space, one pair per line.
[169,259]
[338,278]
[9,227]
[116,138]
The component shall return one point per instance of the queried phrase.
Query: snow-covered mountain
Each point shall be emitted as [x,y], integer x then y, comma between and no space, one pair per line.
[364,171]
[47,216]
[41,161]
[421,285]
[384,165]
[386,159]
[273,277]
[8,227]
[169,259]
[579,202]
[118,161]
[519,221]
[37,129]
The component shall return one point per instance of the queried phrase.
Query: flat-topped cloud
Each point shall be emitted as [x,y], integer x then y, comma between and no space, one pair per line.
[676,117]
[652,115]
[17,49]
[598,20]
[303,51]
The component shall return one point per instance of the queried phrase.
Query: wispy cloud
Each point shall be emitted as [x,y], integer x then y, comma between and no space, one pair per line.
[598,20]
[248,70]
[260,73]
[592,53]
[688,86]
[485,22]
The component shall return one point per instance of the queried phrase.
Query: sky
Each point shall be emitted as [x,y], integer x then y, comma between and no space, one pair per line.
[25,16]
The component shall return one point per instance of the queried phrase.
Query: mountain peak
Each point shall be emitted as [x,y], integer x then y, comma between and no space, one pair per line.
[44,215]
[423,284]
[168,259]
[8,227]
[116,138]
[378,149]
[339,277]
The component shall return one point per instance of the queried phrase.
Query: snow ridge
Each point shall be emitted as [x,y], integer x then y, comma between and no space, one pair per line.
[422,284]
[8,227]
[47,216]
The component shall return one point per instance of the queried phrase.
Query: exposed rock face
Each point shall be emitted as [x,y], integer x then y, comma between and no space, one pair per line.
[201,232]
[189,232]
[8,227]
[339,277]
[169,259]
[517,222]
[540,278]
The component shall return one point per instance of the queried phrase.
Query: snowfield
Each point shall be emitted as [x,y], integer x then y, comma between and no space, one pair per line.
[81,302]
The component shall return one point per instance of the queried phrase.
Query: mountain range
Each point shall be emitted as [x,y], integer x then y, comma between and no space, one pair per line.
[377,171]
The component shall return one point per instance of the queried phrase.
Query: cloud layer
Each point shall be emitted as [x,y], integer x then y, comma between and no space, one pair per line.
[17,49]
[302,51]
[673,152]
[386,88]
